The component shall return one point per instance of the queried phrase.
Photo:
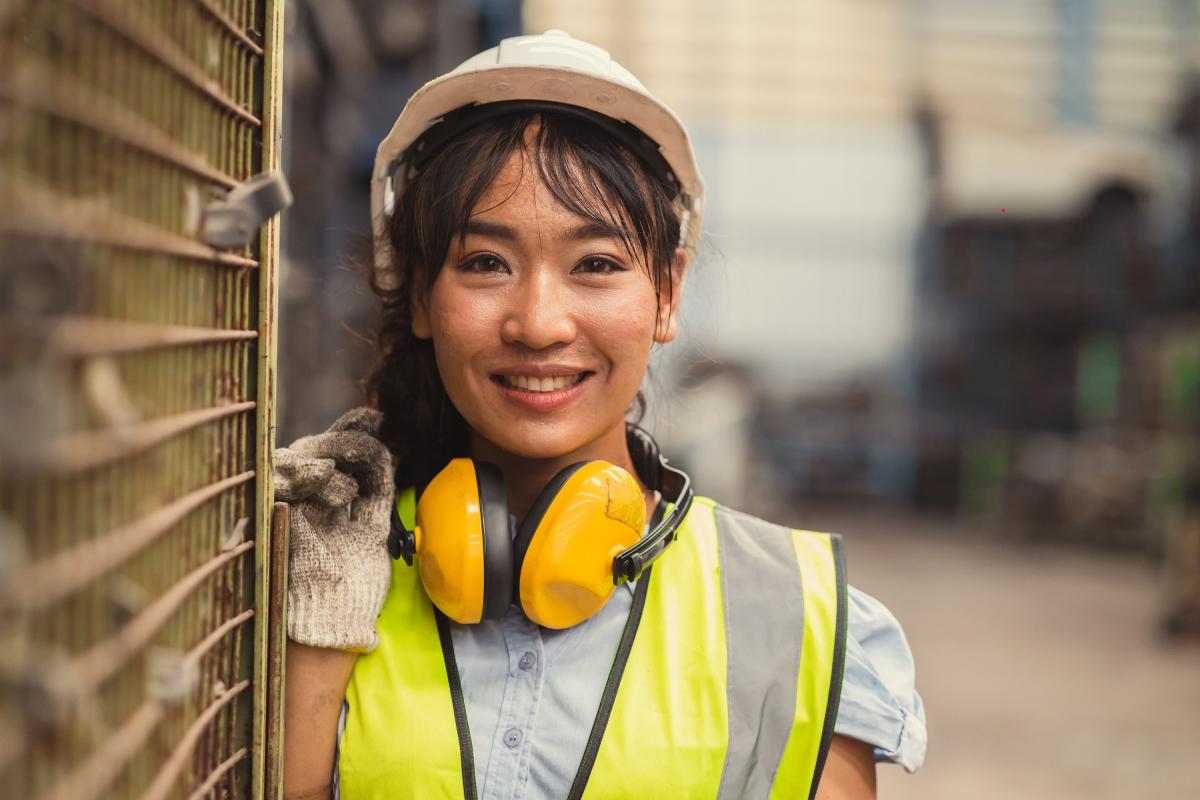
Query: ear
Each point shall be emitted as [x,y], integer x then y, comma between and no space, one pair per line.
[420,313]
[668,301]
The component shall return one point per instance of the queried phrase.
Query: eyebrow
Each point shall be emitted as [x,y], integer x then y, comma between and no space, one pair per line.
[496,230]
[587,230]
[599,230]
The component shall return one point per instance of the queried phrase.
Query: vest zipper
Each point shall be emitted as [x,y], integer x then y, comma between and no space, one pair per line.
[838,667]
[466,753]
[610,688]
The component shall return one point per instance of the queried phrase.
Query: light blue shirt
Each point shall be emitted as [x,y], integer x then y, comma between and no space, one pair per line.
[531,693]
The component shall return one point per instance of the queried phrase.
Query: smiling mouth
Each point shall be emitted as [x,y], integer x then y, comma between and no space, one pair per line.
[533,385]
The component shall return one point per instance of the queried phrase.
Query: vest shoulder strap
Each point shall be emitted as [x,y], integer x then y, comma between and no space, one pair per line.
[402,732]
[785,615]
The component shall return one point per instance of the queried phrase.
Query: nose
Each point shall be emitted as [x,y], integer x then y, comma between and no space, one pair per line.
[540,313]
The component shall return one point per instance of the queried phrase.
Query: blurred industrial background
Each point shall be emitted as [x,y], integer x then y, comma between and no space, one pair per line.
[948,302]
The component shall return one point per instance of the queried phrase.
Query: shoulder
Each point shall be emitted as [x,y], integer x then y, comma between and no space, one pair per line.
[880,704]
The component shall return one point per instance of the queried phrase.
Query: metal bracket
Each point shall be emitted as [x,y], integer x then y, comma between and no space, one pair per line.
[236,536]
[170,675]
[232,221]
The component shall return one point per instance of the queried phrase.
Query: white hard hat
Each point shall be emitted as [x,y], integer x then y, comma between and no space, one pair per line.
[550,67]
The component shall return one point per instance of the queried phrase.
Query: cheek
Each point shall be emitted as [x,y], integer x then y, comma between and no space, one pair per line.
[460,330]
[624,326]
[459,317]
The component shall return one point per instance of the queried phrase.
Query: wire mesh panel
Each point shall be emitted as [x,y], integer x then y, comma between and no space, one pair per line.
[136,397]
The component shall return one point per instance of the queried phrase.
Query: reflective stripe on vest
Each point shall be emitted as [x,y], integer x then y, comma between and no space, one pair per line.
[730,688]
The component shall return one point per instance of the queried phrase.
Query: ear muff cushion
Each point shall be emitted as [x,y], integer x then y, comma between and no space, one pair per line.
[536,512]
[498,578]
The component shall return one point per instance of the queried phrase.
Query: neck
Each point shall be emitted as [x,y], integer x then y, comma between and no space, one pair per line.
[524,478]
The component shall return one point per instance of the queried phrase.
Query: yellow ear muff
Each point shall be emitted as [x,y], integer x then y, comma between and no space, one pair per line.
[565,554]
[450,542]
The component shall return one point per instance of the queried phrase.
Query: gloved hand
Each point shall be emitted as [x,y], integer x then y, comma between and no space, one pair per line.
[339,485]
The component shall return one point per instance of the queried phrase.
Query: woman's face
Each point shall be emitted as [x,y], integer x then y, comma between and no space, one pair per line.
[542,323]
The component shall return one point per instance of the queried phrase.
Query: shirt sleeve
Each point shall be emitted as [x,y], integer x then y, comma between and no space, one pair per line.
[880,704]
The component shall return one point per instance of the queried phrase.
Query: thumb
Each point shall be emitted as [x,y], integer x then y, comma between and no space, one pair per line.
[297,477]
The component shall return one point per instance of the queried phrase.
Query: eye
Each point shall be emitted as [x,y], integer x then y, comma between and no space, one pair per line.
[484,262]
[598,265]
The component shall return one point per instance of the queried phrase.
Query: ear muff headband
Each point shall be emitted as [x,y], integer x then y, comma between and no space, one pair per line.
[497,541]
[660,476]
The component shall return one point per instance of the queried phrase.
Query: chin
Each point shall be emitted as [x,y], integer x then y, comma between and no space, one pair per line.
[536,441]
[541,446]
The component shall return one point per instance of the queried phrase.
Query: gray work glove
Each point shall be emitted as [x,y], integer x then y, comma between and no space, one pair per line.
[339,485]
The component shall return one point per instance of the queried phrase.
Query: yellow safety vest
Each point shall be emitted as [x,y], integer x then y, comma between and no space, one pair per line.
[726,682]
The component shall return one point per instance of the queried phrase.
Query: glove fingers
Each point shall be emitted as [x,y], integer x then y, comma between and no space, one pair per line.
[297,477]
[344,447]
[356,453]
[339,490]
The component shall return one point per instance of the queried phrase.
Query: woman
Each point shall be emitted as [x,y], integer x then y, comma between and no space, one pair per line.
[569,630]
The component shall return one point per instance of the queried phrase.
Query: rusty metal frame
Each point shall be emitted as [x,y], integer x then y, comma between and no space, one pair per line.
[117,17]
[70,570]
[141,650]
[98,772]
[268,693]
[276,655]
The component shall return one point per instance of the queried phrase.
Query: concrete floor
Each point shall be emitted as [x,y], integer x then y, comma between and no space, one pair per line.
[1041,668]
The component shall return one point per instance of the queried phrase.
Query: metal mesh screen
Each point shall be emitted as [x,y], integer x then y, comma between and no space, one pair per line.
[135,397]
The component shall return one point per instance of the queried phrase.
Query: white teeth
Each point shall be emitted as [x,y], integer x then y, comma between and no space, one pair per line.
[530,384]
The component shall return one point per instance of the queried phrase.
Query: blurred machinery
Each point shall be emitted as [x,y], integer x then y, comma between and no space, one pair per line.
[136,396]
[1058,336]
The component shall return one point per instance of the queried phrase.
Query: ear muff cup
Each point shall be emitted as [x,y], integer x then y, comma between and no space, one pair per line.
[588,514]
[462,541]
[498,581]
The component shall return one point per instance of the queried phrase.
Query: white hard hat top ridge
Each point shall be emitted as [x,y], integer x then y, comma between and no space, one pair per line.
[552,67]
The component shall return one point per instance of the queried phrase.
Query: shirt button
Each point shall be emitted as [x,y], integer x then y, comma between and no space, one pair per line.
[527,661]
[512,738]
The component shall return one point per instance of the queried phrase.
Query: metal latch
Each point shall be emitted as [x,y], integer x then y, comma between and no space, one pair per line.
[233,220]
